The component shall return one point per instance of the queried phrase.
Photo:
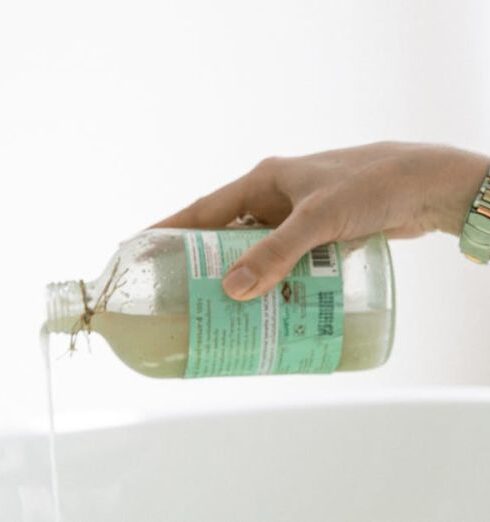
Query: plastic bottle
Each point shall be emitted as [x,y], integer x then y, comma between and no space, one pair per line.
[147,307]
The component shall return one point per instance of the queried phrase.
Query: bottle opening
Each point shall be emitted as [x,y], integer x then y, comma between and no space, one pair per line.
[64,305]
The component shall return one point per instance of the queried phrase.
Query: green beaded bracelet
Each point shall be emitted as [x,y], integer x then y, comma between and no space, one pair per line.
[475,238]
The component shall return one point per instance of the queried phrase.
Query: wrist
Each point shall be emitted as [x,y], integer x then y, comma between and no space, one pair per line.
[474,241]
[456,184]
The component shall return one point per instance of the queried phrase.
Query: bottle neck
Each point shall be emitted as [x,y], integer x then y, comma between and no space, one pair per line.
[64,305]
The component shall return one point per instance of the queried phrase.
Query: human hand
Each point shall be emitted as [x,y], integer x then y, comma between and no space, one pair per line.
[402,189]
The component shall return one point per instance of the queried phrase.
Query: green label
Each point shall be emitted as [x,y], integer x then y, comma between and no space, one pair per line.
[295,328]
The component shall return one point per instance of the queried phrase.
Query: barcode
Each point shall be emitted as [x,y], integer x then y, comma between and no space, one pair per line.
[323,261]
[321,256]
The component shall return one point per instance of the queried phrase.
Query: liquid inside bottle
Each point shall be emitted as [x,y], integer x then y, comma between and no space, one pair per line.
[142,309]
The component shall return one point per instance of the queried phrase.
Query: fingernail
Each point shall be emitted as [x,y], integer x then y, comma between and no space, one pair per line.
[238,281]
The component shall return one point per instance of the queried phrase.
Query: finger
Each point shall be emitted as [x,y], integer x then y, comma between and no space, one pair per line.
[255,192]
[269,261]
[214,210]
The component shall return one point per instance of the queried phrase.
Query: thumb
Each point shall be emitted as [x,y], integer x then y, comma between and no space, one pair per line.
[270,260]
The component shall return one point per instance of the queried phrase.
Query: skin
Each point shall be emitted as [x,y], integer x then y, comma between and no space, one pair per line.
[403,189]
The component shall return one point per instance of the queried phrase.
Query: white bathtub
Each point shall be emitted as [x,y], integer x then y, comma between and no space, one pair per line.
[390,455]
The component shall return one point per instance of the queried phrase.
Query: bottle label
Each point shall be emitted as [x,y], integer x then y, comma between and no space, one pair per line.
[295,328]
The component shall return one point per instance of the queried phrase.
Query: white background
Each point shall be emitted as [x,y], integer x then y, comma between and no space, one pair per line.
[115,114]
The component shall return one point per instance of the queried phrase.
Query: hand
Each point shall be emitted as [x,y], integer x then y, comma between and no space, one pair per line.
[402,189]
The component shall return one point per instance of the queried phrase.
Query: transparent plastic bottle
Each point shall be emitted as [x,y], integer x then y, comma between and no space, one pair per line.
[145,315]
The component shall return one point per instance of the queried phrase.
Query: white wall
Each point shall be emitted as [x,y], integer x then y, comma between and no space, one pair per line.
[114,114]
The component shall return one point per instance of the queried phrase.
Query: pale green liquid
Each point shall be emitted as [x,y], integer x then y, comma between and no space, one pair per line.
[157,345]
[44,342]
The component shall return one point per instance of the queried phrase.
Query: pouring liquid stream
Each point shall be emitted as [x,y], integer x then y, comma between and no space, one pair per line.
[44,343]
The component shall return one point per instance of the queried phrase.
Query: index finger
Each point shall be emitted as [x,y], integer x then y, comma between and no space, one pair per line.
[214,210]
